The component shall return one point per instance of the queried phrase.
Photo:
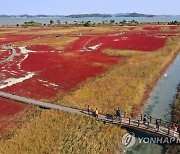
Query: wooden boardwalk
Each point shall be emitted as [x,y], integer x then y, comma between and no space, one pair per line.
[124,121]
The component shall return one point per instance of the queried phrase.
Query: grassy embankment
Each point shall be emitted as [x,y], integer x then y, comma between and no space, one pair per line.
[71,30]
[7,31]
[58,132]
[58,43]
[10,123]
[174,149]
[126,84]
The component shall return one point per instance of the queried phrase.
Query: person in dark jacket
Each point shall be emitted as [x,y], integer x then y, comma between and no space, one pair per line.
[118,113]
[157,124]
[89,109]
[144,119]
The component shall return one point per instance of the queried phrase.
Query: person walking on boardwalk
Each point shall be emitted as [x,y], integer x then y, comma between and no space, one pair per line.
[118,113]
[89,109]
[157,124]
[144,119]
[175,129]
[96,112]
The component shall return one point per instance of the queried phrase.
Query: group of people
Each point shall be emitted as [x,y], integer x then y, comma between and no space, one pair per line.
[96,112]
[157,123]
[145,120]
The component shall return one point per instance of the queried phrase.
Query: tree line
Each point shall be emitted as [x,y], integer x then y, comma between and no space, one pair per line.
[80,23]
[90,23]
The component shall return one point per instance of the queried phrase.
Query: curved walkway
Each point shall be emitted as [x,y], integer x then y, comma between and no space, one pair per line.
[125,122]
[85,48]
[10,57]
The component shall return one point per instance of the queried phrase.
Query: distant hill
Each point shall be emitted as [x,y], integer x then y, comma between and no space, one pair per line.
[25,15]
[5,16]
[82,15]
[89,15]
[120,14]
[134,15]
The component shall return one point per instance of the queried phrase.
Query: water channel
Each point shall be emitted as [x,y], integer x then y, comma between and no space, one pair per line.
[159,105]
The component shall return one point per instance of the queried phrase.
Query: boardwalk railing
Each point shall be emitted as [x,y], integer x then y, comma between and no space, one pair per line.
[124,121]
[164,128]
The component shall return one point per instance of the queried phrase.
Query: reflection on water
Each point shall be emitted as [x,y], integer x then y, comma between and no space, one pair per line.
[143,148]
[159,105]
[146,149]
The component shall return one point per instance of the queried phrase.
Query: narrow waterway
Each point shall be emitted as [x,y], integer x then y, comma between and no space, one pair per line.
[160,105]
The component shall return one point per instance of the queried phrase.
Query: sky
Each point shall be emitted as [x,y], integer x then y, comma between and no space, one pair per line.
[67,7]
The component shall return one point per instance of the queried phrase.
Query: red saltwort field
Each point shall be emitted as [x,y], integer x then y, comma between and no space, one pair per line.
[44,72]
[173,27]
[10,38]
[152,28]
[41,72]
[4,54]
[8,107]
[10,114]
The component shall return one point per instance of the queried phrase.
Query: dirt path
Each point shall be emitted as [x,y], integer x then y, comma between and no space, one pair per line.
[85,48]
[11,56]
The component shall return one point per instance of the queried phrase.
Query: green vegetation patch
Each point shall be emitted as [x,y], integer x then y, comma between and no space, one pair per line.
[58,43]
[123,52]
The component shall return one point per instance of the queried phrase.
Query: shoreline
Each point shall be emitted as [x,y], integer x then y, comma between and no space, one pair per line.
[175,110]
[147,93]
[159,20]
